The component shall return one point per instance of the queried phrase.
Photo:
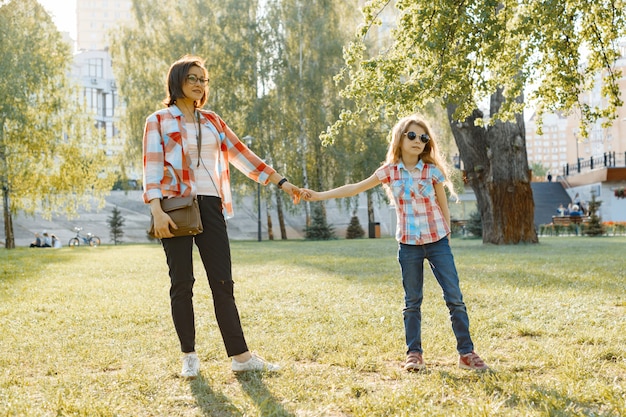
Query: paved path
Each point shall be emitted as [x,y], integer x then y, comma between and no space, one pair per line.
[137,219]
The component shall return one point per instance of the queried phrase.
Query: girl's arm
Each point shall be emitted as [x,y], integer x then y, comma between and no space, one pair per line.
[347,190]
[442,200]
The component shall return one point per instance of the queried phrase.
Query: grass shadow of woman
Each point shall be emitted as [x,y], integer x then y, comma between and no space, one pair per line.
[268,405]
[212,404]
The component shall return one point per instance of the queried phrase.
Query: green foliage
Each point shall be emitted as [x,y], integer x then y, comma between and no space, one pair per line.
[52,158]
[319,228]
[538,169]
[465,52]
[354,231]
[475,224]
[271,75]
[116,225]
[594,227]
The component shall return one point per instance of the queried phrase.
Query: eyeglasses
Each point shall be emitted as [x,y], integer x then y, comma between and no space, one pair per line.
[192,79]
[423,137]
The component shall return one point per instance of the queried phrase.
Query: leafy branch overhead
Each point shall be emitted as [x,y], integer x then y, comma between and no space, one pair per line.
[463,52]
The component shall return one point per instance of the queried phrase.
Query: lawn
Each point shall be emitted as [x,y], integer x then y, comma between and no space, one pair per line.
[87,332]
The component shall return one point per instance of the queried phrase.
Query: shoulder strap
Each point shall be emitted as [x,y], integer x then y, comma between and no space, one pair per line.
[199,136]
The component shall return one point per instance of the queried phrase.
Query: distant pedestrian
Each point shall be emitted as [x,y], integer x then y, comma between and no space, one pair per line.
[549,177]
[46,240]
[37,242]
[414,174]
[56,243]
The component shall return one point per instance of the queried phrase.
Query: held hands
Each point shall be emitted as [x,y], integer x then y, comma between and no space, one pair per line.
[310,195]
[293,191]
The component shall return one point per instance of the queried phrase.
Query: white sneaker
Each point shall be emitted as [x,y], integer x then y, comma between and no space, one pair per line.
[255,363]
[191,366]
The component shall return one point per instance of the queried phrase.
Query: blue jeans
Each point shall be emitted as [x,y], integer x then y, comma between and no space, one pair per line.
[439,255]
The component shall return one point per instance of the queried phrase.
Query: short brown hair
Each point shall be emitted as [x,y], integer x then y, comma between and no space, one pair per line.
[177,76]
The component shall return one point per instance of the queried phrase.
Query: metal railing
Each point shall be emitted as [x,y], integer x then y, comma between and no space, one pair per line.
[608,160]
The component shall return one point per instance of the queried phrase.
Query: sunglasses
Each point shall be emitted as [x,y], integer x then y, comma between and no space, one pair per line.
[423,137]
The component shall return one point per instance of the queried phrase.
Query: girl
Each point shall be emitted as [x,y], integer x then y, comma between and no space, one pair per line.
[186,151]
[414,175]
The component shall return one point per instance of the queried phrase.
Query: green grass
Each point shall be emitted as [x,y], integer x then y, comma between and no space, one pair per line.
[88,332]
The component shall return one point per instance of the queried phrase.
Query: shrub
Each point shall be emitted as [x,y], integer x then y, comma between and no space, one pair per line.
[355,231]
[594,227]
[116,224]
[319,228]
[475,224]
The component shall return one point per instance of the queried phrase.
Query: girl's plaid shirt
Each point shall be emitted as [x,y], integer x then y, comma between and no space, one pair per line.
[167,168]
[419,217]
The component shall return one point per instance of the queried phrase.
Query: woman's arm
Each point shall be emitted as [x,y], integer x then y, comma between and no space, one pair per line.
[286,186]
[347,190]
[153,159]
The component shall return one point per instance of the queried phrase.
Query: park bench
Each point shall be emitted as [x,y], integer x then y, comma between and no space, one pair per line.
[562,225]
[568,220]
[458,226]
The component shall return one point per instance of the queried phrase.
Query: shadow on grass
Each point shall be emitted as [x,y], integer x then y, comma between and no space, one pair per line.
[14,262]
[212,404]
[253,386]
[558,404]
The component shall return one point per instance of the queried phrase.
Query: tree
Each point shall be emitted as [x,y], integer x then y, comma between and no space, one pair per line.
[355,231]
[271,70]
[319,228]
[304,51]
[539,170]
[594,227]
[51,156]
[116,224]
[460,53]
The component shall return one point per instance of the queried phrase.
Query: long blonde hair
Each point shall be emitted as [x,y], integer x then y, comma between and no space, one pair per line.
[431,153]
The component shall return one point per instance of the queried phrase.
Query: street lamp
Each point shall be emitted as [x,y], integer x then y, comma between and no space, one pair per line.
[248,140]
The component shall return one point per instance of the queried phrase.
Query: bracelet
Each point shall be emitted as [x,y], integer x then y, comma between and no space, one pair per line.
[281,182]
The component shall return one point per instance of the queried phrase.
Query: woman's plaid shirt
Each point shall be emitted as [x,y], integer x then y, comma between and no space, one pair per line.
[419,217]
[167,167]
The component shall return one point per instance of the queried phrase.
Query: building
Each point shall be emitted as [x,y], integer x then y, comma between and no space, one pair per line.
[92,70]
[92,67]
[561,146]
[591,166]
[95,18]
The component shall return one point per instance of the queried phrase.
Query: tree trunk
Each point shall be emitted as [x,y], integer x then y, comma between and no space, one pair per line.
[370,207]
[281,217]
[270,231]
[496,167]
[8,220]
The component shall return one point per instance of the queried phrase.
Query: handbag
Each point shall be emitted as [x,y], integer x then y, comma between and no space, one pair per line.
[185,212]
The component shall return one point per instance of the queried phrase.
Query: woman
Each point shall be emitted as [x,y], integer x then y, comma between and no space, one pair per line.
[186,151]
[414,174]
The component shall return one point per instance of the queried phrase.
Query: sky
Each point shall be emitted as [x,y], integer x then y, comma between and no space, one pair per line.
[63,14]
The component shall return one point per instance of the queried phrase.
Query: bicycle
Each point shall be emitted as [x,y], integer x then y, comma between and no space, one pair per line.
[89,239]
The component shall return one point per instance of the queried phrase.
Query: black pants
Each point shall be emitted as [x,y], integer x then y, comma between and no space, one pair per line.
[215,254]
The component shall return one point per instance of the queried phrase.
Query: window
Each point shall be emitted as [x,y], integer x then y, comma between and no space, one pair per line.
[109,104]
[91,99]
[96,67]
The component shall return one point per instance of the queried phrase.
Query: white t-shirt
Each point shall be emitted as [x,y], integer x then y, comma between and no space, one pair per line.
[206,172]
